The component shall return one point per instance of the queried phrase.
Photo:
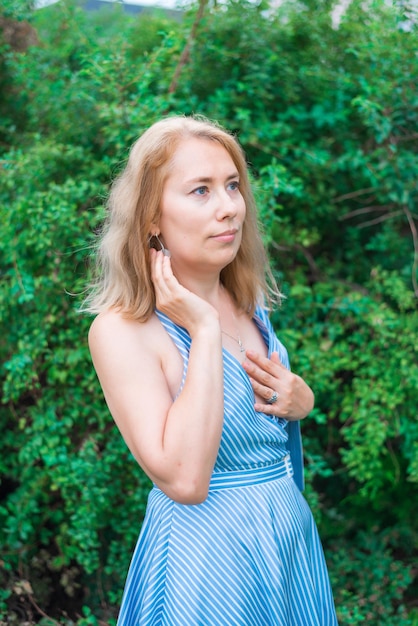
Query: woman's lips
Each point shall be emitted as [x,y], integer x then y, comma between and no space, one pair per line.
[227,236]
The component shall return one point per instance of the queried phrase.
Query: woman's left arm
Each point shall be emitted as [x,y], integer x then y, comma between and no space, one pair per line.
[295,399]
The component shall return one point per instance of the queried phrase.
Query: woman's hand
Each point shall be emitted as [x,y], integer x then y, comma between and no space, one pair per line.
[181,305]
[295,399]
[187,428]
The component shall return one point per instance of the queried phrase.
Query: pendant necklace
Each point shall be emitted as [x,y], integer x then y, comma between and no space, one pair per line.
[238,337]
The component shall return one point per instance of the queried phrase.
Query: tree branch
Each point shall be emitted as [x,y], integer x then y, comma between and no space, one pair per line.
[354,194]
[366,209]
[415,241]
[185,55]
[382,218]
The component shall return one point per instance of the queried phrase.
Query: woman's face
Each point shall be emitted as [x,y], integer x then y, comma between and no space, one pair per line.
[202,209]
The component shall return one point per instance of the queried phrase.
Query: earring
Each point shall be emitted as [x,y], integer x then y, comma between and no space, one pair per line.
[160,243]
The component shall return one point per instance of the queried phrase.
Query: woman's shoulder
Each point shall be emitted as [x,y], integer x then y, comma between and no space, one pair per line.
[112,326]
[130,347]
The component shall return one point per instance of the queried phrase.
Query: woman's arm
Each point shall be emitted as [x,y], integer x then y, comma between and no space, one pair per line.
[175,441]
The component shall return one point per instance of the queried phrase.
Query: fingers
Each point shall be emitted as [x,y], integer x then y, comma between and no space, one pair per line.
[265,393]
[295,399]
[162,276]
[269,400]
[179,303]
[160,265]
[269,409]
[265,371]
[276,359]
[268,377]
[169,294]
[270,364]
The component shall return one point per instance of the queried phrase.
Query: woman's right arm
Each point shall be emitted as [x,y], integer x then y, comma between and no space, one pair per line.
[175,441]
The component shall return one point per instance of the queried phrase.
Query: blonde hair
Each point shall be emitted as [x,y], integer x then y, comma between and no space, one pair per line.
[123,278]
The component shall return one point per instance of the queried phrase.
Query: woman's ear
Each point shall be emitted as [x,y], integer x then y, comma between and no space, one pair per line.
[155,242]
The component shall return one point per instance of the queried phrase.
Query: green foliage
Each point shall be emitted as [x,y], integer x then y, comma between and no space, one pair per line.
[328,120]
[354,561]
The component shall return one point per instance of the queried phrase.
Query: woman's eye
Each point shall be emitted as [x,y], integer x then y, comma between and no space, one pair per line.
[234,185]
[200,191]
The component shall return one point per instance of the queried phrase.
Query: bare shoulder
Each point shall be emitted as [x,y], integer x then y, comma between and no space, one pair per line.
[111,327]
[117,343]
[127,349]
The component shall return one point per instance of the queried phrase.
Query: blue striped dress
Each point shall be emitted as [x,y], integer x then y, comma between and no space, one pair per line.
[250,554]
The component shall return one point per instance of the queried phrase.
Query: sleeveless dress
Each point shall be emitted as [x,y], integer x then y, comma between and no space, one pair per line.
[250,554]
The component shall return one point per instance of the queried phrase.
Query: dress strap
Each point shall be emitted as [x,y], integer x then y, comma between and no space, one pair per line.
[294,443]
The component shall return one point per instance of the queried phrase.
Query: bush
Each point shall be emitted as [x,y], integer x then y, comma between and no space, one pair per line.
[327,118]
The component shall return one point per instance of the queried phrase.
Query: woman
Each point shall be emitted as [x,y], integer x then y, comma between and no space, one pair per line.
[200,389]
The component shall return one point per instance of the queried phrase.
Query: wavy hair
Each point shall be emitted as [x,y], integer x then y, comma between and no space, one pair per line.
[122,264]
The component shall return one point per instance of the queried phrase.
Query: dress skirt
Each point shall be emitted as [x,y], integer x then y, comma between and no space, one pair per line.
[249,555]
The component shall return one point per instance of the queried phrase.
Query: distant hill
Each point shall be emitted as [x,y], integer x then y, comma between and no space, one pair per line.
[128,7]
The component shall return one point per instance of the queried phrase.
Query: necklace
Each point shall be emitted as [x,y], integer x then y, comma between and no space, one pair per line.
[237,339]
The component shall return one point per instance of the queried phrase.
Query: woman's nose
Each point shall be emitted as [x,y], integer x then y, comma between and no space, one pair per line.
[225,205]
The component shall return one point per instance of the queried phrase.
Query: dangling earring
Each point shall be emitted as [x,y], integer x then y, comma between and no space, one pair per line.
[160,243]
